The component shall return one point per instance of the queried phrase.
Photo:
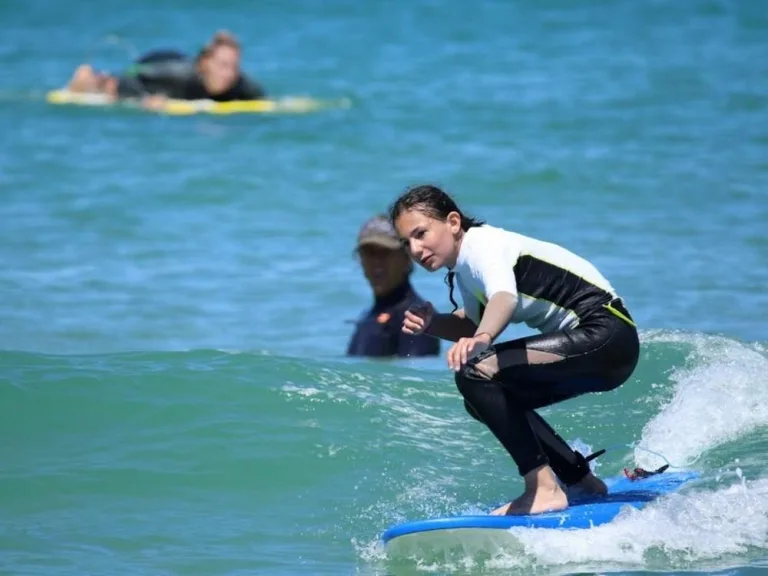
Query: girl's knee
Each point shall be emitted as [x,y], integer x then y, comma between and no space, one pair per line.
[473,386]
[468,377]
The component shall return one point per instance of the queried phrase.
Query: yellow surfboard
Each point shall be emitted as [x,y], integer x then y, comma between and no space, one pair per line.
[289,105]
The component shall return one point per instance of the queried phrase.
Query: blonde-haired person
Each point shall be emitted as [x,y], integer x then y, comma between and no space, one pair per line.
[214,74]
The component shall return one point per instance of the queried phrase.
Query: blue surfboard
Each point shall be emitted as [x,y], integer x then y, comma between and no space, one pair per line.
[583,512]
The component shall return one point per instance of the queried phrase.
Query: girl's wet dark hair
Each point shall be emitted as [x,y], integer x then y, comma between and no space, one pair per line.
[435,203]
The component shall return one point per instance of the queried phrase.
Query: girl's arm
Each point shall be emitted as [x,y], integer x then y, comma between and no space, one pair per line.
[497,315]
[451,326]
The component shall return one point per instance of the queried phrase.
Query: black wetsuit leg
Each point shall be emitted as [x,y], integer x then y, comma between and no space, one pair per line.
[597,356]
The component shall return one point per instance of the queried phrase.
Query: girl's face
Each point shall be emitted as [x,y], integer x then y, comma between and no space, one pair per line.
[432,243]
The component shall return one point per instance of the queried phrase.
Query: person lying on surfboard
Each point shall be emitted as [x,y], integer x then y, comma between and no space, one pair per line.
[588,341]
[213,75]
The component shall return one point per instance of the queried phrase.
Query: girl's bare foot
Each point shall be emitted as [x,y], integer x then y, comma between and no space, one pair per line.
[535,503]
[542,494]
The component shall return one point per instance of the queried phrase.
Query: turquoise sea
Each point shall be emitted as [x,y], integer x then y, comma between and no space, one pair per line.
[176,293]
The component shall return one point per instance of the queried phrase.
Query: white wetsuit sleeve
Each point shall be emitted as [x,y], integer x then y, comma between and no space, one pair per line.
[492,269]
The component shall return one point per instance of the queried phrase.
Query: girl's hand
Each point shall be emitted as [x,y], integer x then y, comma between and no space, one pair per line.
[466,349]
[418,318]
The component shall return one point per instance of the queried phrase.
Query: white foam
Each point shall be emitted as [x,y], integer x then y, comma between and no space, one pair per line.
[292,390]
[721,396]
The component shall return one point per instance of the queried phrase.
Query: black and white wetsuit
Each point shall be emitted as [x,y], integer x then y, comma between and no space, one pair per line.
[581,320]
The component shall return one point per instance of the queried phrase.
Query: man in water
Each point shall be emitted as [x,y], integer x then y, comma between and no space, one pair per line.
[213,75]
[387,268]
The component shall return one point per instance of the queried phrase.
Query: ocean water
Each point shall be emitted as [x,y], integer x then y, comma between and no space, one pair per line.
[177,292]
